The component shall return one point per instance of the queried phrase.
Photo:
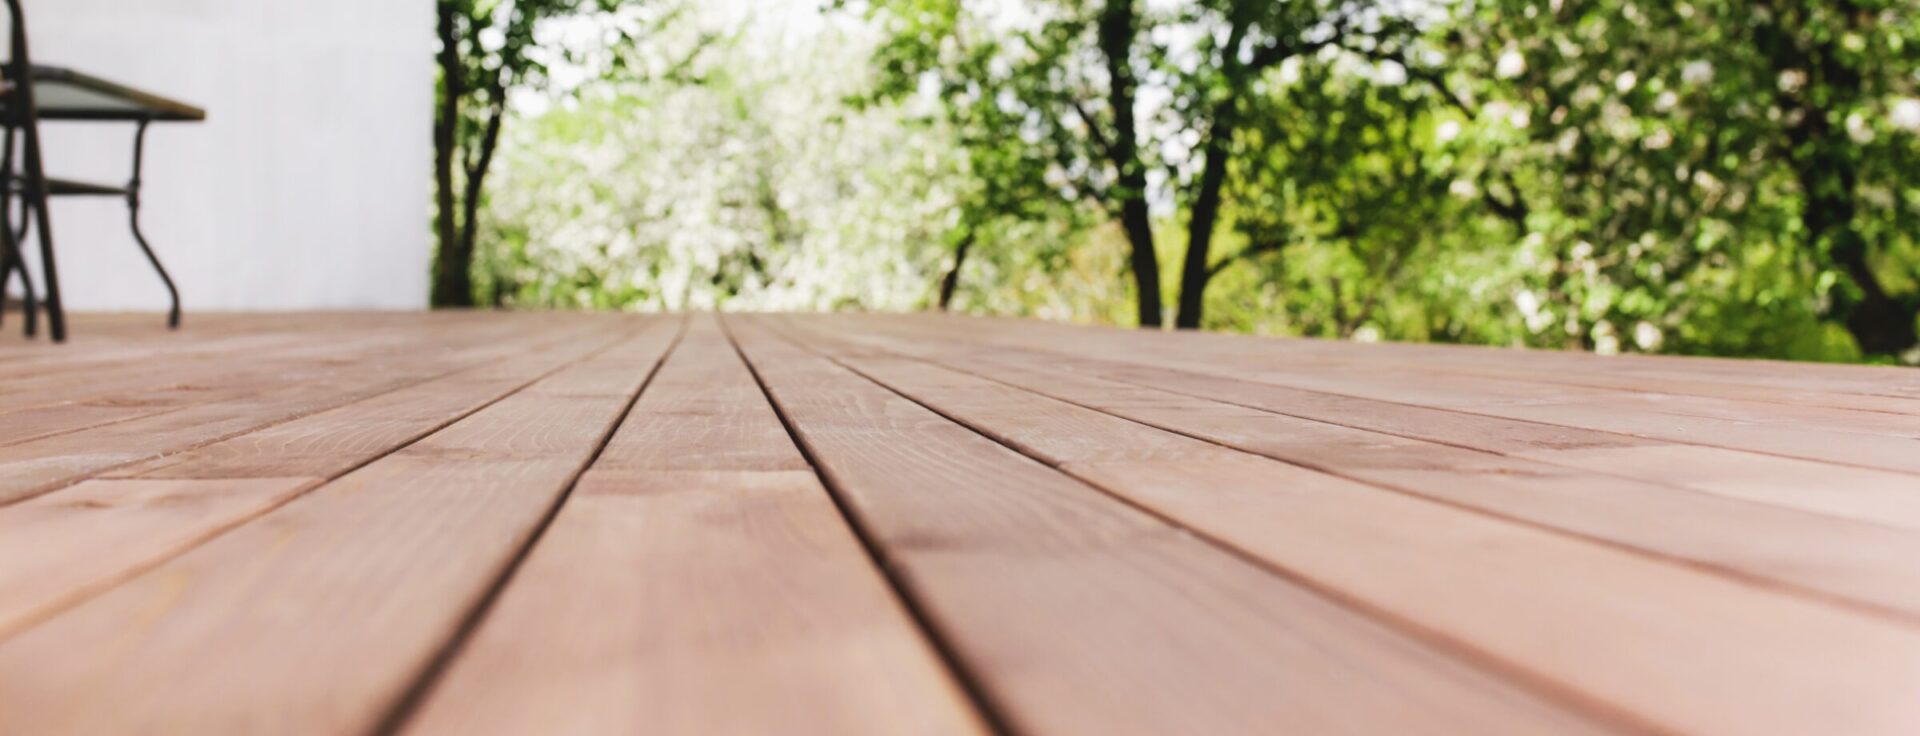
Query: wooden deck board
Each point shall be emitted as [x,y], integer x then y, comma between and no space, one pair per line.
[1467,407]
[597,523]
[1876,495]
[698,581]
[358,371]
[1500,589]
[1076,614]
[319,616]
[61,546]
[1855,554]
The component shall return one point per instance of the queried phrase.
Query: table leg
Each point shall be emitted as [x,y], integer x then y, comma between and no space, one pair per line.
[133,216]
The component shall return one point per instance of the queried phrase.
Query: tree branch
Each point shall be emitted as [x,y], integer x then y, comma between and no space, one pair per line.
[1280,50]
[1515,211]
[1257,248]
[1099,137]
[477,170]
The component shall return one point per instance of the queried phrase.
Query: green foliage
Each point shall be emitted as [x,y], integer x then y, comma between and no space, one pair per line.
[1722,177]
[1333,200]
[743,182]
[1728,174]
[489,50]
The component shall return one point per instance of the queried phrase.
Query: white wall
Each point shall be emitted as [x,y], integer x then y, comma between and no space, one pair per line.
[307,187]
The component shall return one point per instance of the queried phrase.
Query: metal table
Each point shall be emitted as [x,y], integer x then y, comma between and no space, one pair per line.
[62,94]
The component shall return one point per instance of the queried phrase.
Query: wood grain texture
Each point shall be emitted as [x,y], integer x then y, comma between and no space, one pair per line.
[325,523]
[1866,560]
[1078,615]
[1502,590]
[1651,372]
[37,466]
[59,548]
[136,390]
[1540,405]
[699,580]
[1853,492]
[201,355]
[319,616]
[330,442]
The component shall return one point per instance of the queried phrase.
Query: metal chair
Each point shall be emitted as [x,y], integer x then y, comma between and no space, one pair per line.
[77,97]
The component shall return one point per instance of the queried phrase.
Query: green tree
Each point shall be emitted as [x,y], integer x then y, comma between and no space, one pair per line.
[1727,168]
[488,49]
[1117,97]
[735,177]
[1712,176]
[1342,196]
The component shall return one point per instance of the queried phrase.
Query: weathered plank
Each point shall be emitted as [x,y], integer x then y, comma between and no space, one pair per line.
[699,580]
[1499,589]
[1651,373]
[1867,564]
[174,384]
[31,468]
[327,443]
[1866,388]
[62,546]
[156,388]
[1416,385]
[1076,614]
[320,616]
[1858,493]
[59,548]
[301,523]
[46,375]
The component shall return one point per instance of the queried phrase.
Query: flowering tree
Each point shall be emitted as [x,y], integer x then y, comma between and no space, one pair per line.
[488,49]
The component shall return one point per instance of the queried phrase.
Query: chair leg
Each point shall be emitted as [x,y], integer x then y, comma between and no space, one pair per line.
[26,279]
[56,313]
[11,261]
[36,198]
[6,256]
[10,240]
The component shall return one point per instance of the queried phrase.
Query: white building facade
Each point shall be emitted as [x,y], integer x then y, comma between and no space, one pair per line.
[308,187]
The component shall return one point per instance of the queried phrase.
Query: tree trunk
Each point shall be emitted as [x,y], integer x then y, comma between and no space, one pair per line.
[1146,264]
[1880,323]
[952,279]
[1828,173]
[452,278]
[1195,272]
[470,203]
[1116,42]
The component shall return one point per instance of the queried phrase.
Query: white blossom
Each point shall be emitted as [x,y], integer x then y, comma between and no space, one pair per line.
[1647,337]
[1858,130]
[1697,72]
[1511,64]
[1792,80]
[1905,114]
[1659,140]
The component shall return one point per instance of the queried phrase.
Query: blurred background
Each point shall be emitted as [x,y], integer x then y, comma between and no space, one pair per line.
[1722,177]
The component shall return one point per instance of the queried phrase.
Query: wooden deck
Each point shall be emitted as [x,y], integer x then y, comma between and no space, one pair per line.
[529,523]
